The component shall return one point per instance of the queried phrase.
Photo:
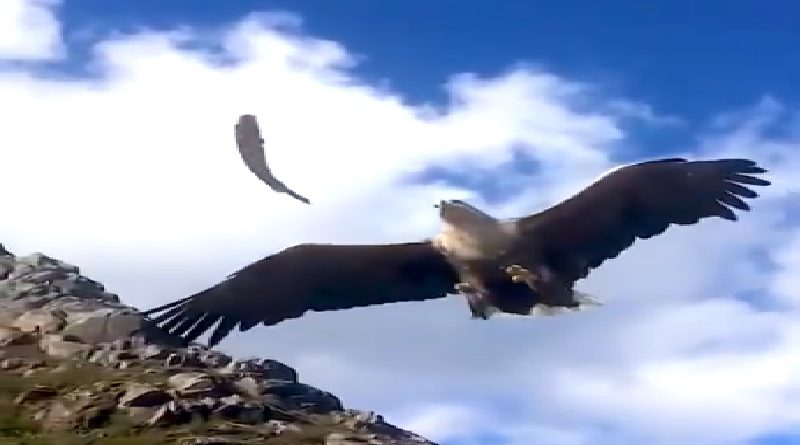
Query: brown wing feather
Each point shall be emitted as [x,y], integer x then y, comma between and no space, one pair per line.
[310,277]
[636,201]
[251,148]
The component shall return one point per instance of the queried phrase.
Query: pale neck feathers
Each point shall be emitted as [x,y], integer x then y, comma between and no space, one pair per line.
[480,238]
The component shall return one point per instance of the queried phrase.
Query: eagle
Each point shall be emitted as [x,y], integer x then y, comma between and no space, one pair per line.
[515,267]
[251,148]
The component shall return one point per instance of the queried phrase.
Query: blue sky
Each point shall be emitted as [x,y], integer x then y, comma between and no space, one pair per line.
[684,60]
[691,60]
[512,105]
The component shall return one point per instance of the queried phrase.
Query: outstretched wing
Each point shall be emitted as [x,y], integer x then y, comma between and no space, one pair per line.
[310,277]
[251,148]
[636,201]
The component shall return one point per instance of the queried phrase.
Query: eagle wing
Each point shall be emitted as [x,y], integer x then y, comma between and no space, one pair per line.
[251,148]
[637,201]
[310,277]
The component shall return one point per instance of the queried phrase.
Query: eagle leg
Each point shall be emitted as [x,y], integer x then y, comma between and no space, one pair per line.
[475,300]
[465,288]
[477,306]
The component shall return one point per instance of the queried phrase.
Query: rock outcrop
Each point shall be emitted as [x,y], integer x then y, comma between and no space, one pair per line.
[78,364]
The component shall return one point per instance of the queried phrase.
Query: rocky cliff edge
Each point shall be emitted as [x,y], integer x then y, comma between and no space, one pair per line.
[77,366]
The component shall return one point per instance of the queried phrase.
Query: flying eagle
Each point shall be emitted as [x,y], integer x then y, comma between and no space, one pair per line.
[514,266]
[251,149]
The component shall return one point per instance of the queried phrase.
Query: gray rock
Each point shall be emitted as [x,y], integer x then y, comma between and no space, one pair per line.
[186,359]
[10,364]
[39,321]
[234,407]
[143,395]
[50,305]
[213,359]
[352,439]
[104,328]
[5,269]
[170,413]
[44,276]
[212,441]
[193,383]
[304,397]
[155,352]
[142,415]
[249,386]
[12,336]
[278,427]
[38,259]
[57,417]
[60,346]
[356,419]
[275,370]
[8,315]
[35,394]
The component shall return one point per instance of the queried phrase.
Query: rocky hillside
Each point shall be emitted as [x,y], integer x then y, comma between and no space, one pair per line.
[79,367]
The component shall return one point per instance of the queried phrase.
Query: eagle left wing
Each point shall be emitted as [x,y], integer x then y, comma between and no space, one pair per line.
[309,277]
[637,201]
[251,148]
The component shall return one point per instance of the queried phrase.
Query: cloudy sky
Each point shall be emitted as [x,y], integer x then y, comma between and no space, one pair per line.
[117,155]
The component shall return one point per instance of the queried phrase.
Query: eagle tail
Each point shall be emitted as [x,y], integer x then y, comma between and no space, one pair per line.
[583,299]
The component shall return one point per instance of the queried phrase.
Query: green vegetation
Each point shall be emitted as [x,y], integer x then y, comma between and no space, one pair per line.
[18,427]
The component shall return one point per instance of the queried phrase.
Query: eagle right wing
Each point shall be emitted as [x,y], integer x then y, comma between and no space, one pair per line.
[310,277]
[251,148]
[637,201]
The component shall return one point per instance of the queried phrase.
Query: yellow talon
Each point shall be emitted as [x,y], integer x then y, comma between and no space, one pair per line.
[519,271]
[516,269]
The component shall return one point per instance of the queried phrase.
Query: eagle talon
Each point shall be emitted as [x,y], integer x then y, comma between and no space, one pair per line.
[520,274]
[515,269]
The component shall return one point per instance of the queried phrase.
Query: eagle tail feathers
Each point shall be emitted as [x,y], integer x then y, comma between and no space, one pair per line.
[583,299]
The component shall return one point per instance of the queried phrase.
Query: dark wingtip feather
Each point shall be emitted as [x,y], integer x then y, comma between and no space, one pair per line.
[170,325]
[171,312]
[186,324]
[737,178]
[733,201]
[169,305]
[201,327]
[749,180]
[726,213]
[224,327]
[742,165]
[247,324]
[177,319]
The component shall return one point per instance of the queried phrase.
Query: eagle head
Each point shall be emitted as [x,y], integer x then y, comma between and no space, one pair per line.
[458,213]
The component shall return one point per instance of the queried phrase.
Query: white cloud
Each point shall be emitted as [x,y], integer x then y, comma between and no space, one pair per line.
[468,426]
[786,281]
[28,30]
[135,178]
[450,421]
